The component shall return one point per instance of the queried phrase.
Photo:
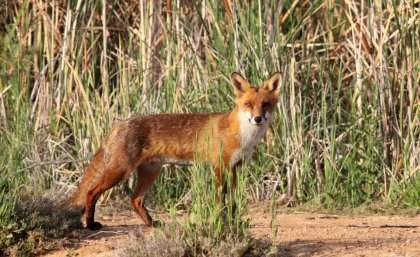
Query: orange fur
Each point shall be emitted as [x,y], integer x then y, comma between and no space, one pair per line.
[144,143]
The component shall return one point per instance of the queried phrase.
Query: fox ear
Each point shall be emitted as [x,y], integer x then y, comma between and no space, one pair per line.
[240,84]
[273,84]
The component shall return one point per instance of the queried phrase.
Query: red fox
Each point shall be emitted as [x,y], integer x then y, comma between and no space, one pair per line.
[144,143]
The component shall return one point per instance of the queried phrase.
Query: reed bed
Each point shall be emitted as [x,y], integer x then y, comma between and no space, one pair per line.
[346,131]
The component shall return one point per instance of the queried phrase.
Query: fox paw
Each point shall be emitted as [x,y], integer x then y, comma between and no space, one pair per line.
[94,226]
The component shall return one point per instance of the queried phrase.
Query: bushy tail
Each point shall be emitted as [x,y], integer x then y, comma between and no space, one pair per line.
[91,176]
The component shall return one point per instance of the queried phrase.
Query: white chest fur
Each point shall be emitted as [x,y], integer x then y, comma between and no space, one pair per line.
[249,136]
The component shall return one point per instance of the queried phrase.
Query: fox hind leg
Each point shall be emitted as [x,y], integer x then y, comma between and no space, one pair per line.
[147,175]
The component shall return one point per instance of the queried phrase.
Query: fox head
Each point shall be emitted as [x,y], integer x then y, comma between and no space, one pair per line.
[256,104]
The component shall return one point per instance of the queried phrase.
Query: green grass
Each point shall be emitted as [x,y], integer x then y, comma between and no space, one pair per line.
[346,131]
[35,224]
[207,228]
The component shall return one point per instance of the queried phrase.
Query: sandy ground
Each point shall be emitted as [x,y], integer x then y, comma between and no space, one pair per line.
[298,234]
[308,234]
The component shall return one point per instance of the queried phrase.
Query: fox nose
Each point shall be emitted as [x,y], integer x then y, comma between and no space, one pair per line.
[258,119]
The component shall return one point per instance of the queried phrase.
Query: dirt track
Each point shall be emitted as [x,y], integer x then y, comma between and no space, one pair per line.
[306,234]
[299,234]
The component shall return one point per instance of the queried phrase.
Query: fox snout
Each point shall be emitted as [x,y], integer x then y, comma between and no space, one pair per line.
[259,119]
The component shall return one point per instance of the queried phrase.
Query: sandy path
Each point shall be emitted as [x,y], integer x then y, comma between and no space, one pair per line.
[308,234]
[299,234]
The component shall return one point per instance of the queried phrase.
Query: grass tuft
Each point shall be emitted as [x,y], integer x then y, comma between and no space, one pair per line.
[36,225]
[176,241]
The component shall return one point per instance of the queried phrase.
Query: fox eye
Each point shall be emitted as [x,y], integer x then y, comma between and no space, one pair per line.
[247,104]
[266,105]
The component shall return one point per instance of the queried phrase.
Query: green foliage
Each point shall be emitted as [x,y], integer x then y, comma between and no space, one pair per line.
[211,213]
[170,188]
[174,241]
[210,228]
[33,223]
